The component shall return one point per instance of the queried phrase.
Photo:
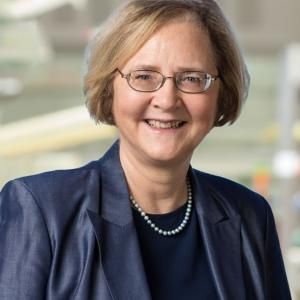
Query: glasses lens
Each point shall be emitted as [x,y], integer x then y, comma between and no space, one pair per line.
[145,81]
[193,82]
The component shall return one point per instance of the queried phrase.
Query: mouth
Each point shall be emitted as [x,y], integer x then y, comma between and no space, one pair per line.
[165,124]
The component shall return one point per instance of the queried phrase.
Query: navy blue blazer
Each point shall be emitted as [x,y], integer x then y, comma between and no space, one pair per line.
[71,235]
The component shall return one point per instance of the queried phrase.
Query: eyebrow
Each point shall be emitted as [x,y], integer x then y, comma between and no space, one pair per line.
[156,68]
[146,67]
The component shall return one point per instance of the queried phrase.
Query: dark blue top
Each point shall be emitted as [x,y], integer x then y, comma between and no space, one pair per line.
[176,266]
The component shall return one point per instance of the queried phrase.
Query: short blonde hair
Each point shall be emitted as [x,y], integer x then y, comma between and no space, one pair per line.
[125,32]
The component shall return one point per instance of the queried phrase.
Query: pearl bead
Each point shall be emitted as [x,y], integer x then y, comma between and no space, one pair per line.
[182,224]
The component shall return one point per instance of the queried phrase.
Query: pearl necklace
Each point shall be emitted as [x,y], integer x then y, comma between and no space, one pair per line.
[175,230]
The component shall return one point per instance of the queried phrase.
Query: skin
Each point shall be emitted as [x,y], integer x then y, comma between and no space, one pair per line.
[158,159]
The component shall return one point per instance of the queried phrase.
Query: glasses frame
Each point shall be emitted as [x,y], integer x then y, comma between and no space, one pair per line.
[211,79]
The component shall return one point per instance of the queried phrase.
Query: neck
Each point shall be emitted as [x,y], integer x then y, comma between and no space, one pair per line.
[157,188]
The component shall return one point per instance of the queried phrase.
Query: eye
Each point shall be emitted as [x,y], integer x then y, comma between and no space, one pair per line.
[191,79]
[143,76]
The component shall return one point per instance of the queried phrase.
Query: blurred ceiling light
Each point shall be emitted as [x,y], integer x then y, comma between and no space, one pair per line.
[10,86]
[21,9]
[24,42]
[55,131]
[286,164]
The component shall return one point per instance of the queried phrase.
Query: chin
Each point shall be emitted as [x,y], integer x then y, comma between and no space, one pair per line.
[163,157]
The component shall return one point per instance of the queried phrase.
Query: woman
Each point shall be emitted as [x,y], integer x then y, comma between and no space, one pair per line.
[140,223]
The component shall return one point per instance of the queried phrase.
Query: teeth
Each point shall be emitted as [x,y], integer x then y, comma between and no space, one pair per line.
[164,125]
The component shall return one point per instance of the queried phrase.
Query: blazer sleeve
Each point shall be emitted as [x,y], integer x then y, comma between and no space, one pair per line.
[25,252]
[277,284]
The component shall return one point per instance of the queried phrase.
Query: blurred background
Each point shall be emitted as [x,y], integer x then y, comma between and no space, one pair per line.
[44,124]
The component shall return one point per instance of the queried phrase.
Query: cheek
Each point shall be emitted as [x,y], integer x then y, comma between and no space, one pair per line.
[120,98]
[127,106]
[204,110]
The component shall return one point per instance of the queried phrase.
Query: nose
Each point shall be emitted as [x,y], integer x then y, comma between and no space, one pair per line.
[167,97]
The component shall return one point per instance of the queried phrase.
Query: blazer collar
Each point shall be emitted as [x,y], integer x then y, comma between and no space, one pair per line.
[115,204]
[220,229]
[116,234]
[118,243]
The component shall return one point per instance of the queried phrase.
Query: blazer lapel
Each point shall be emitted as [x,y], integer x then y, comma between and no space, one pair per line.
[220,232]
[116,234]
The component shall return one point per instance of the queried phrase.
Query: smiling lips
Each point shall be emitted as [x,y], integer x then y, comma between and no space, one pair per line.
[164,124]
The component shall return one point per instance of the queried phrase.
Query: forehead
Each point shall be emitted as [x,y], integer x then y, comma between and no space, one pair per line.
[176,45]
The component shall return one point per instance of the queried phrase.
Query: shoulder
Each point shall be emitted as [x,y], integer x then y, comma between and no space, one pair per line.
[45,215]
[234,195]
[62,194]
[54,192]
[58,178]
[54,181]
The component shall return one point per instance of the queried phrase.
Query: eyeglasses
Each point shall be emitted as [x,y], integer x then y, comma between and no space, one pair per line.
[190,82]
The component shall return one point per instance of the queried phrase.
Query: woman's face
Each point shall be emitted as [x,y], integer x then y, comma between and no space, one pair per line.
[144,119]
